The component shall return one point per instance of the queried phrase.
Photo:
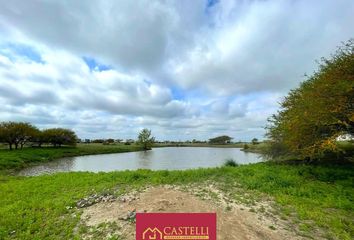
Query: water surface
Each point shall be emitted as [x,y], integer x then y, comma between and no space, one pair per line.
[167,158]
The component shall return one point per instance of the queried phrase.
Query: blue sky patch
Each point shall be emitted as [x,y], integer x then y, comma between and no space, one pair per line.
[211,3]
[14,49]
[147,82]
[177,93]
[94,65]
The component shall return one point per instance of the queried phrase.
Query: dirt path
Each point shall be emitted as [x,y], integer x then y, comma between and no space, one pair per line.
[234,221]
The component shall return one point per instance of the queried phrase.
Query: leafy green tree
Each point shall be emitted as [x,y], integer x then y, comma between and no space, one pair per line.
[146,139]
[314,115]
[17,133]
[59,136]
[255,141]
[39,138]
[220,140]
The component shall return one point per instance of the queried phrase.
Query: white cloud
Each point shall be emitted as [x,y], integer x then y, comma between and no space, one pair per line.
[264,45]
[66,81]
[177,67]
[132,34]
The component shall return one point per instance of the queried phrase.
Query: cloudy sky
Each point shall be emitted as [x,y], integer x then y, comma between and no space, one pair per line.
[185,69]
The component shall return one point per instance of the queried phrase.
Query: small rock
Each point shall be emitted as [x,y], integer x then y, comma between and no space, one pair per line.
[129,217]
[93,199]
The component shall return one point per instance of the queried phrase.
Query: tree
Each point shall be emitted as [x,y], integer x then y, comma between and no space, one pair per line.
[314,115]
[146,139]
[17,133]
[220,140]
[39,138]
[59,136]
[255,141]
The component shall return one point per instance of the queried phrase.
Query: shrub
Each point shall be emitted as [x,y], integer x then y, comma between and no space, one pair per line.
[230,163]
[320,110]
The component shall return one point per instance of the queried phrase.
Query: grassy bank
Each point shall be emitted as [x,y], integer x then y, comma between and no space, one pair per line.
[311,196]
[256,148]
[17,159]
[346,152]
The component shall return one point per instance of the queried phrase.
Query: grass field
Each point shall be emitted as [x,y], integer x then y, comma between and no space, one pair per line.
[312,196]
[17,159]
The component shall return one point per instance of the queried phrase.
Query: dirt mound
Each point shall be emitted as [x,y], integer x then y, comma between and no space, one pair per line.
[234,221]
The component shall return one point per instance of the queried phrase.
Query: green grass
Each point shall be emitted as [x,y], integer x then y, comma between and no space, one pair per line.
[17,159]
[257,148]
[320,196]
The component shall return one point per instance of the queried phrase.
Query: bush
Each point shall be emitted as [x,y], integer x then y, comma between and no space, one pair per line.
[314,115]
[230,163]
[246,146]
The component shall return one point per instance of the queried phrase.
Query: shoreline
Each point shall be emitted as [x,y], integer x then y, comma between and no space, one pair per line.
[29,157]
[12,161]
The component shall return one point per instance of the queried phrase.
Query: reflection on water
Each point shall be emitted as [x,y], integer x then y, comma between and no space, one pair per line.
[144,159]
[50,167]
[169,158]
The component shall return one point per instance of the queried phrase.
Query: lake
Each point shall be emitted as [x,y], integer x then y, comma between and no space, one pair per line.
[167,158]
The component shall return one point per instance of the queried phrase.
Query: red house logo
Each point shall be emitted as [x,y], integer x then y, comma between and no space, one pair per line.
[179,226]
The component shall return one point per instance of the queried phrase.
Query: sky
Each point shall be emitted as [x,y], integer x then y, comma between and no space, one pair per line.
[184,69]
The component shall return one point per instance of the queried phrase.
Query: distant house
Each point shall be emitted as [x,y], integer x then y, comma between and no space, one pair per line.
[345,137]
[130,141]
[220,140]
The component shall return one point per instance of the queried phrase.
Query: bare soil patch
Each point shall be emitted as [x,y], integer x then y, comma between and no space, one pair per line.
[234,220]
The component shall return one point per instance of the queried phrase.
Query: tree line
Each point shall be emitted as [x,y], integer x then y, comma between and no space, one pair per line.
[314,115]
[220,140]
[18,134]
